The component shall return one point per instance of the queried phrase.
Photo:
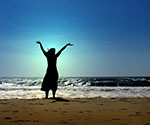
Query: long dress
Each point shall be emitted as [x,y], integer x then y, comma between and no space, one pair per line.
[51,76]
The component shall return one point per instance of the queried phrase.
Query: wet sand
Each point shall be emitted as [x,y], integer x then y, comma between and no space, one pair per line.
[85,111]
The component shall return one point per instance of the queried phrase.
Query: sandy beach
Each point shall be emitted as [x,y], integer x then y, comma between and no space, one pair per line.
[79,111]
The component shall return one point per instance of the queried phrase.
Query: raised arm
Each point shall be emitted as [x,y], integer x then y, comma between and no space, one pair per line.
[59,52]
[44,52]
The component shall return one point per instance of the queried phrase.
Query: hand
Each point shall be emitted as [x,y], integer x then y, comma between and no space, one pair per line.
[38,42]
[69,44]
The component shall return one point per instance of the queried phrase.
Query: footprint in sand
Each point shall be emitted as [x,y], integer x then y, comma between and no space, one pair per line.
[99,104]
[15,111]
[35,121]
[88,111]
[3,103]
[130,115]
[6,111]
[116,119]
[16,121]
[8,118]
[138,114]
[123,109]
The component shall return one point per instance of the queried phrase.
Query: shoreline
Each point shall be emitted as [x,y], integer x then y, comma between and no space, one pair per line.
[105,111]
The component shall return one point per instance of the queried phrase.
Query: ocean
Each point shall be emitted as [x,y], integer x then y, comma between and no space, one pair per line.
[76,87]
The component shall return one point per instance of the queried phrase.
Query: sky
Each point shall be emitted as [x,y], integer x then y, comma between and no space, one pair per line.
[110,37]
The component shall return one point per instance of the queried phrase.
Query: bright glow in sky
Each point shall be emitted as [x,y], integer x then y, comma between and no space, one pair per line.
[110,37]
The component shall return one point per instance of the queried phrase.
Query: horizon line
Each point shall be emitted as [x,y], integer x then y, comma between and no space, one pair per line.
[76,76]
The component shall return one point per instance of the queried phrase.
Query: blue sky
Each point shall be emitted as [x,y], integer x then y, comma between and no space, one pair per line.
[110,37]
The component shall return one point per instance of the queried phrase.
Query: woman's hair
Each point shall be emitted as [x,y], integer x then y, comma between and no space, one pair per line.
[51,51]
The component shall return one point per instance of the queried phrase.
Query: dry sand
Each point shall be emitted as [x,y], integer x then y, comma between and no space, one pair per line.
[92,111]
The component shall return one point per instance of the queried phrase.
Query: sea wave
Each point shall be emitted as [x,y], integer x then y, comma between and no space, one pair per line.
[79,81]
[77,87]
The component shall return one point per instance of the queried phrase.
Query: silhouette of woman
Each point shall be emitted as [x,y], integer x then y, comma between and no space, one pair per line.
[51,76]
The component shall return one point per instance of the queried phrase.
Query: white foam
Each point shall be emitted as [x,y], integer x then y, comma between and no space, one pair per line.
[79,92]
[68,88]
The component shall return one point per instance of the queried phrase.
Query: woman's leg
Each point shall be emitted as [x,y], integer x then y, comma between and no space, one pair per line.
[46,94]
[53,92]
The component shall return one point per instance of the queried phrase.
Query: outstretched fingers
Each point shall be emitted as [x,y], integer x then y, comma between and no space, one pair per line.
[69,44]
[38,42]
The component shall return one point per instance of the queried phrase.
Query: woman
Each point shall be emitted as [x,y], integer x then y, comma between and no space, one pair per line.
[51,76]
